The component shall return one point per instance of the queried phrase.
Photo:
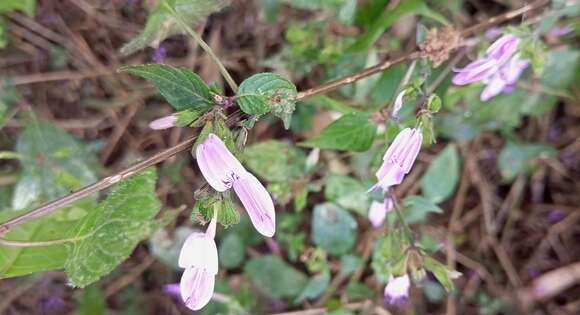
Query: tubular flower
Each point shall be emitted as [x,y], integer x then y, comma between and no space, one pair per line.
[399,158]
[222,171]
[499,69]
[397,289]
[199,257]
[163,122]
[378,211]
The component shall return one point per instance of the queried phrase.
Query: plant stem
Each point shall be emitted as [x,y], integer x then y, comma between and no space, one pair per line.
[401,218]
[206,48]
[186,144]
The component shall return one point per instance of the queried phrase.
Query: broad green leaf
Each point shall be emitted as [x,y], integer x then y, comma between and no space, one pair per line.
[350,263]
[162,24]
[516,158]
[18,261]
[26,6]
[54,164]
[274,277]
[182,88]
[560,68]
[417,208]
[212,201]
[275,160]
[109,233]
[315,287]
[333,229]
[351,132]
[268,92]
[442,176]
[315,4]
[232,251]
[347,192]
[389,17]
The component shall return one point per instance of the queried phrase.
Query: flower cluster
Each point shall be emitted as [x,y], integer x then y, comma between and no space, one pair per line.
[499,69]
[199,256]
[397,162]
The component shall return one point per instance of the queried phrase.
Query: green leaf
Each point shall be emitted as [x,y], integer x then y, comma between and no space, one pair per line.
[18,261]
[274,277]
[26,6]
[350,263]
[417,208]
[347,192]
[182,88]
[333,229]
[265,92]
[359,291]
[232,251]
[219,128]
[389,17]
[108,234]
[442,176]
[315,287]
[212,201]
[162,24]
[52,159]
[275,160]
[560,69]
[351,132]
[516,158]
[440,272]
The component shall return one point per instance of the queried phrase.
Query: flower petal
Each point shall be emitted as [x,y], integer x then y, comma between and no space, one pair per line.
[478,70]
[397,288]
[258,203]
[503,48]
[196,287]
[377,213]
[199,251]
[493,88]
[217,164]
[163,122]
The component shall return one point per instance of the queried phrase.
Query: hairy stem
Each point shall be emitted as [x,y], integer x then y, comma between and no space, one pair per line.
[206,48]
[186,144]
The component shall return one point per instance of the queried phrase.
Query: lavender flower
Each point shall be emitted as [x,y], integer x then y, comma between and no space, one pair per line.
[163,122]
[159,54]
[397,289]
[499,69]
[223,171]
[399,158]
[199,257]
[378,211]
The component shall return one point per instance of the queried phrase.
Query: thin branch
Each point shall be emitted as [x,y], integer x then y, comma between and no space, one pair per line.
[164,155]
[206,48]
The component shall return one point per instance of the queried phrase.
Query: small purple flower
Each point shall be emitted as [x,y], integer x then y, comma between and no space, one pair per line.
[378,211]
[159,54]
[399,158]
[223,171]
[397,289]
[499,69]
[163,122]
[560,31]
[199,257]
[493,33]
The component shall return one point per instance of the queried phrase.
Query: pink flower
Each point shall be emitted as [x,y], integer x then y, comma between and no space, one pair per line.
[163,122]
[378,211]
[223,171]
[399,158]
[199,257]
[499,69]
[505,79]
[397,289]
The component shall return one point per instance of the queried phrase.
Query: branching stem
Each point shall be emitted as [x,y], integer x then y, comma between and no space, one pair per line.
[52,206]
